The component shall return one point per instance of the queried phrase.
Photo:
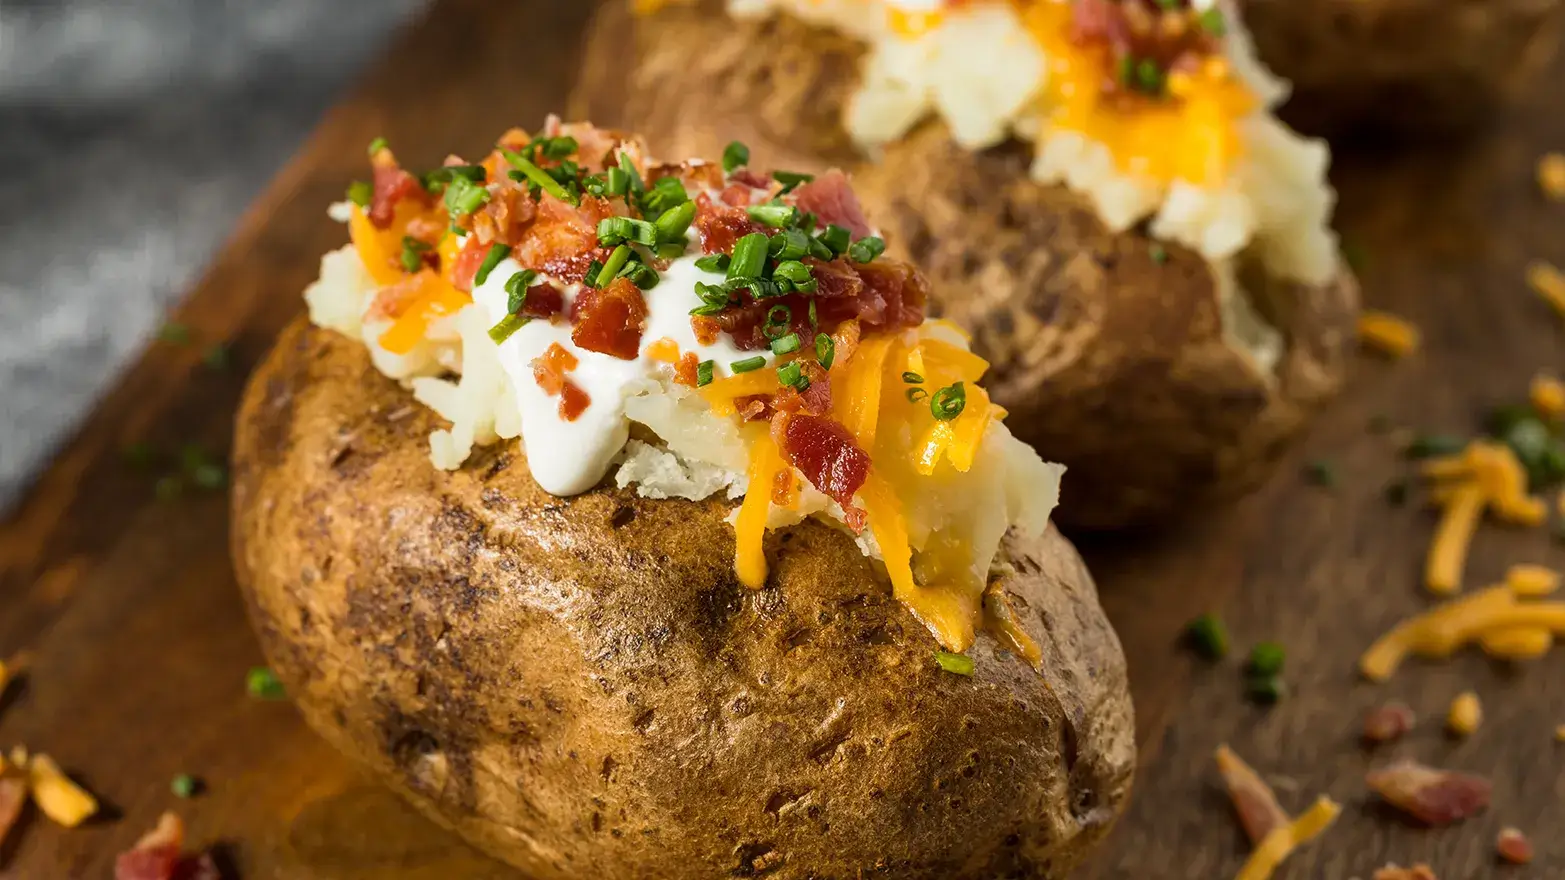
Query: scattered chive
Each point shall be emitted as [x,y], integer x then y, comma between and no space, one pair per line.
[361,193]
[837,238]
[1432,445]
[704,373]
[1266,659]
[735,155]
[1396,493]
[1212,22]
[1149,77]
[629,167]
[174,333]
[786,344]
[792,375]
[778,318]
[209,475]
[538,176]
[1158,253]
[516,290]
[673,223]
[377,145]
[948,402]
[217,357]
[184,786]
[617,183]
[497,252]
[1267,690]
[866,249]
[641,275]
[168,488]
[825,349]
[1125,70]
[412,253]
[773,215]
[263,684]
[1321,473]
[618,230]
[749,256]
[796,274]
[915,394]
[616,261]
[791,179]
[956,664]
[713,263]
[463,197]
[789,244]
[508,325]
[748,364]
[559,147]
[912,378]
[1208,637]
[814,321]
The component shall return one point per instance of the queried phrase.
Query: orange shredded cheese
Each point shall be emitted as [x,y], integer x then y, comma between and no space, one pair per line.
[57,797]
[1448,553]
[1281,842]
[1551,175]
[1387,333]
[1465,714]
[1440,631]
[1484,476]
[1531,581]
[436,299]
[1516,643]
[1547,395]
[1549,284]
[750,525]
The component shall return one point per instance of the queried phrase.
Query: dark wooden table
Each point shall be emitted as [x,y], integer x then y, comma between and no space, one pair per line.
[141,643]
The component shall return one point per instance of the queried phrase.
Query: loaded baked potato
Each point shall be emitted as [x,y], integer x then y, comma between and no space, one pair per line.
[1146,264]
[1413,66]
[569,625]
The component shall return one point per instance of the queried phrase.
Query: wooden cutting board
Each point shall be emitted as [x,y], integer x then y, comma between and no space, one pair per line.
[141,644]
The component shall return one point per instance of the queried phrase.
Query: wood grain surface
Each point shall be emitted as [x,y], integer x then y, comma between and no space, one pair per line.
[141,644]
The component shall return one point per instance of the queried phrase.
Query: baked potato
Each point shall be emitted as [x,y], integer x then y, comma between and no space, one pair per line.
[1161,375]
[1406,66]
[606,680]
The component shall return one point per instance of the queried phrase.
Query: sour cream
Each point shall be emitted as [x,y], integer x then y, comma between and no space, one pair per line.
[570,457]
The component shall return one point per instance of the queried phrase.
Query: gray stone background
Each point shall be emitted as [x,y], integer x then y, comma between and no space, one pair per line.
[133,133]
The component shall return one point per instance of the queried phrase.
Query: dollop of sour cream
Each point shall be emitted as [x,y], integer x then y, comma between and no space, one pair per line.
[570,457]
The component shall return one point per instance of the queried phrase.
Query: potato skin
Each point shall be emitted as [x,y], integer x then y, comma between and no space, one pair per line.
[1110,362]
[1403,66]
[581,687]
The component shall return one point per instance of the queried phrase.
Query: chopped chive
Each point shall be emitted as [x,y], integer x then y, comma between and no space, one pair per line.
[184,786]
[1432,445]
[814,320]
[1125,70]
[912,378]
[866,249]
[640,274]
[168,488]
[825,350]
[1208,637]
[616,261]
[789,244]
[673,223]
[377,145]
[1212,22]
[618,183]
[915,394]
[713,263]
[735,155]
[704,373]
[948,402]
[1149,77]
[516,290]
[670,250]
[174,333]
[1158,253]
[792,375]
[538,176]
[1266,659]
[463,197]
[559,147]
[591,278]
[1267,690]
[837,238]
[791,179]
[956,664]
[497,252]
[797,274]
[778,318]
[665,193]
[748,364]
[508,325]
[773,215]
[749,256]
[618,230]
[263,684]
[1321,473]
[217,357]
[413,250]
[629,168]
[361,193]
[786,344]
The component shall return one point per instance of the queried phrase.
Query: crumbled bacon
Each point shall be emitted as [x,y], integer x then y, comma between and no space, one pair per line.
[751,178]
[1254,801]
[573,401]
[465,267]
[1396,872]
[393,185]
[694,174]
[883,295]
[832,200]
[563,240]
[825,452]
[1387,723]
[720,226]
[13,796]
[685,369]
[543,301]
[1173,38]
[506,217]
[705,329]
[1430,795]
[610,320]
[736,195]
[1513,846]
[159,856]
[549,368]
[785,489]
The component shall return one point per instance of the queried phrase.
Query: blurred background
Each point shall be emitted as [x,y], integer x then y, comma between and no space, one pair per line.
[133,133]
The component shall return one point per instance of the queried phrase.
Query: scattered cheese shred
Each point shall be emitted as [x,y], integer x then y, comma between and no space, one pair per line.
[1484,476]
[436,299]
[56,795]
[1494,612]
[1387,333]
[1532,581]
[1516,643]
[750,525]
[1547,395]
[1448,553]
[1559,733]
[1281,843]
[1549,283]
[1551,175]
[1465,714]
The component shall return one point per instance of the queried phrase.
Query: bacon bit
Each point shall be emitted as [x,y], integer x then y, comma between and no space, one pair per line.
[1548,396]
[830,198]
[1253,799]
[753,409]
[686,372]
[705,329]
[506,217]
[610,321]
[1387,333]
[1430,795]
[393,185]
[1551,175]
[751,178]
[465,268]
[544,301]
[825,453]
[158,856]
[1549,284]
[563,240]
[1388,723]
[1395,872]
[785,489]
[389,303]
[1465,714]
[1513,846]
[720,225]
[736,195]
[549,368]
[573,401]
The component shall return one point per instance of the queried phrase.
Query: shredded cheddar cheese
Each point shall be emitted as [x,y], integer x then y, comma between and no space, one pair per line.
[1387,333]
[1549,284]
[750,526]
[1516,643]
[1448,552]
[1532,581]
[1281,842]
[1465,714]
[1551,175]
[1511,627]
[436,299]
[1547,395]
[56,795]
[1484,476]
[1559,733]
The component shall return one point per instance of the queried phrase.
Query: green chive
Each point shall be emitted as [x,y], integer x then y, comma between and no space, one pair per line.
[1149,77]
[497,252]
[912,378]
[538,176]
[837,238]
[1158,253]
[915,394]
[1125,70]
[168,488]
[665,193]
[618,183]
[616,261]
[1213,23]
[1266,659]
[672,224]
[559,147]
[640,274]
[377,145]
[412,253]
[749,257]
[773,215]
[792,375]
[789,244]
[713,263]
[1267,690]
[1321,473]
[735,155]
[217,357]
[463,197]
[704,373]
[948,402]
[629,168]
[184,786]
[361,193]
[786,344]
[814,321]
[778,319]
[516,290]
[797,274]
[263,684]
[1208,637]
[174,333]
[508,325]
[866,249]
[670,250]
[1433,445]
[825,350]
[791,179]
[748,364]
[956,664]
[618,230]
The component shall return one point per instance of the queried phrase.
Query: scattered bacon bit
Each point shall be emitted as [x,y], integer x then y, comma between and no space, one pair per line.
[465,268]
[736,195]
[392,185]
[695,174]
[573,401]
[1253,799]
[685,369]
[563,240]
[830,198]
[751,178]
[506,217]
[754,408]
[13,796]
[825,452]
[610,320]
[1513,846]
[705,329]
[159,856]
[720,225]
[549,368]
[543,301]
[1430,795]
[1388,723]
[1395,872]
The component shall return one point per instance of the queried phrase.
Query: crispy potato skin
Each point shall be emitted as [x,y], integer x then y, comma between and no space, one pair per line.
[581,687]
[1109,361]
[1409,66]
